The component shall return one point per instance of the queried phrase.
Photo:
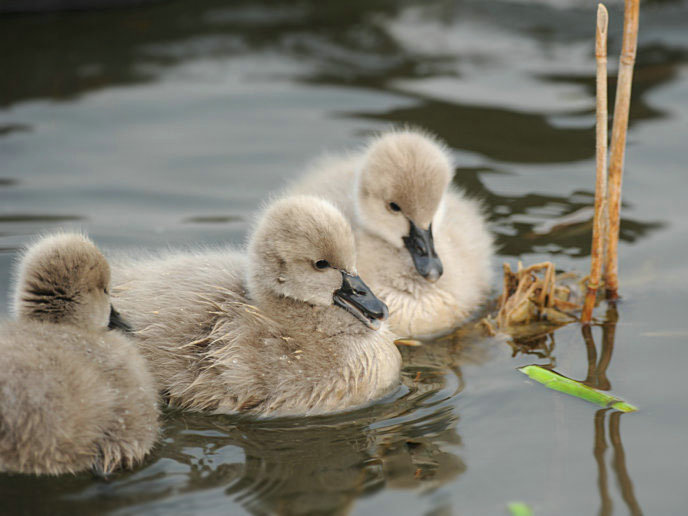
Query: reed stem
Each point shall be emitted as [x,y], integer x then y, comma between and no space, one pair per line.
[600,217]
[618,143]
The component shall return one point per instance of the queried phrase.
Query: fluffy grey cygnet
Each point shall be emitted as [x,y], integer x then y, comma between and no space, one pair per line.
[423,246]
[74,394]
[286,329]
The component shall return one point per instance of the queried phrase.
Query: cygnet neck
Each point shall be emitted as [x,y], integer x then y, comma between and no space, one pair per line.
[301,318]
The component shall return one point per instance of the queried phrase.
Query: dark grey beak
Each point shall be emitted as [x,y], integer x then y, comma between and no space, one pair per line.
[355,297]
[422,248]
[117,323]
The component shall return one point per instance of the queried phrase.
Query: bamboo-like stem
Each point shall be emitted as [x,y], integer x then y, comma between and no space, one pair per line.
[618,144]
[599,220]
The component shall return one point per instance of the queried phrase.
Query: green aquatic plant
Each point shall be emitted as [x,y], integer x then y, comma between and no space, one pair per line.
[519,509]
[566,385]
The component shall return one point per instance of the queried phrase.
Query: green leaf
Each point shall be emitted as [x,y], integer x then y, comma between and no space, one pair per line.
[560,383]
[519,509]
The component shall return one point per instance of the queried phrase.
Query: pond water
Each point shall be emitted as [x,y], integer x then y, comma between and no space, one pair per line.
[169,124]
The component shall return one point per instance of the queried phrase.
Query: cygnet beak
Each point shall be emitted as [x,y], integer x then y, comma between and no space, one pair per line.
[355,297]
[116,321]
[420,244]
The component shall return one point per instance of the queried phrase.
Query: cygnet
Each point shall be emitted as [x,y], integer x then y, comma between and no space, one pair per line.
[288,328]
[423,246]
[75,394]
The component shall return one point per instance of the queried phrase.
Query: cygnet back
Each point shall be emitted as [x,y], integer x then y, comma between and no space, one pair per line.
[75,395]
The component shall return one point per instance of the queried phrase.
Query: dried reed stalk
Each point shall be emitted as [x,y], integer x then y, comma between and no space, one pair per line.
[599,221]
[618,144]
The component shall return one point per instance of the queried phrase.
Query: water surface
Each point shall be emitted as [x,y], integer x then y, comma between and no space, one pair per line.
[168,124]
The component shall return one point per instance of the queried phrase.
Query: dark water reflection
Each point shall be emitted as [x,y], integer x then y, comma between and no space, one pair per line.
[597,378]
[566,231]
[598,362]
[352,45]
[502,134]
[169,123]
[284,466]
[618,464]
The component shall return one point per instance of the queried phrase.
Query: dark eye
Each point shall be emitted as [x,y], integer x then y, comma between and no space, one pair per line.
[322,264]
[106,291]
[394,206]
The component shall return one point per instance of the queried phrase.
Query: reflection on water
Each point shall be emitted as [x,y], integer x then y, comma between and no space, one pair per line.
[597,378]
[13,128]
[38,218]
[283,466]
[542,346]
[502,134]
[567,229]
[597,369]
[371,45]
[618,464]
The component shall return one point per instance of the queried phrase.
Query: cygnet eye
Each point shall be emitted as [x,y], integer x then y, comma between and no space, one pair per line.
[394,206]
[105,290]
[322,264]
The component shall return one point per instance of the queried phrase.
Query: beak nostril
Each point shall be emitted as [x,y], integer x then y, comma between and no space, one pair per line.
[355,297]
[420,245]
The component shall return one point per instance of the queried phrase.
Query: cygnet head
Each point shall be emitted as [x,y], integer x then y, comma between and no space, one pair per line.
[303,249]
[64,278]
[399,193]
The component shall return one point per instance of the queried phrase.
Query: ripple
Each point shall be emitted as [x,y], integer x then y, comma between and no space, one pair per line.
[14,128]
[213,219]
[20,218]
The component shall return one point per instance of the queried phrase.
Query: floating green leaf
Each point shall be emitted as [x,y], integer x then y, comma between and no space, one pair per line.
[560,383]
[519,509]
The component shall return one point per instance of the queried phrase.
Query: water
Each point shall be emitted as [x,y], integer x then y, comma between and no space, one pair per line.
[168,124]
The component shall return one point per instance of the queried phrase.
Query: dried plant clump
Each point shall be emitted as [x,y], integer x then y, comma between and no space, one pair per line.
[535,299]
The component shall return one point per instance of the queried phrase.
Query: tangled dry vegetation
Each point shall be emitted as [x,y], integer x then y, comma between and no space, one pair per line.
[535,300]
